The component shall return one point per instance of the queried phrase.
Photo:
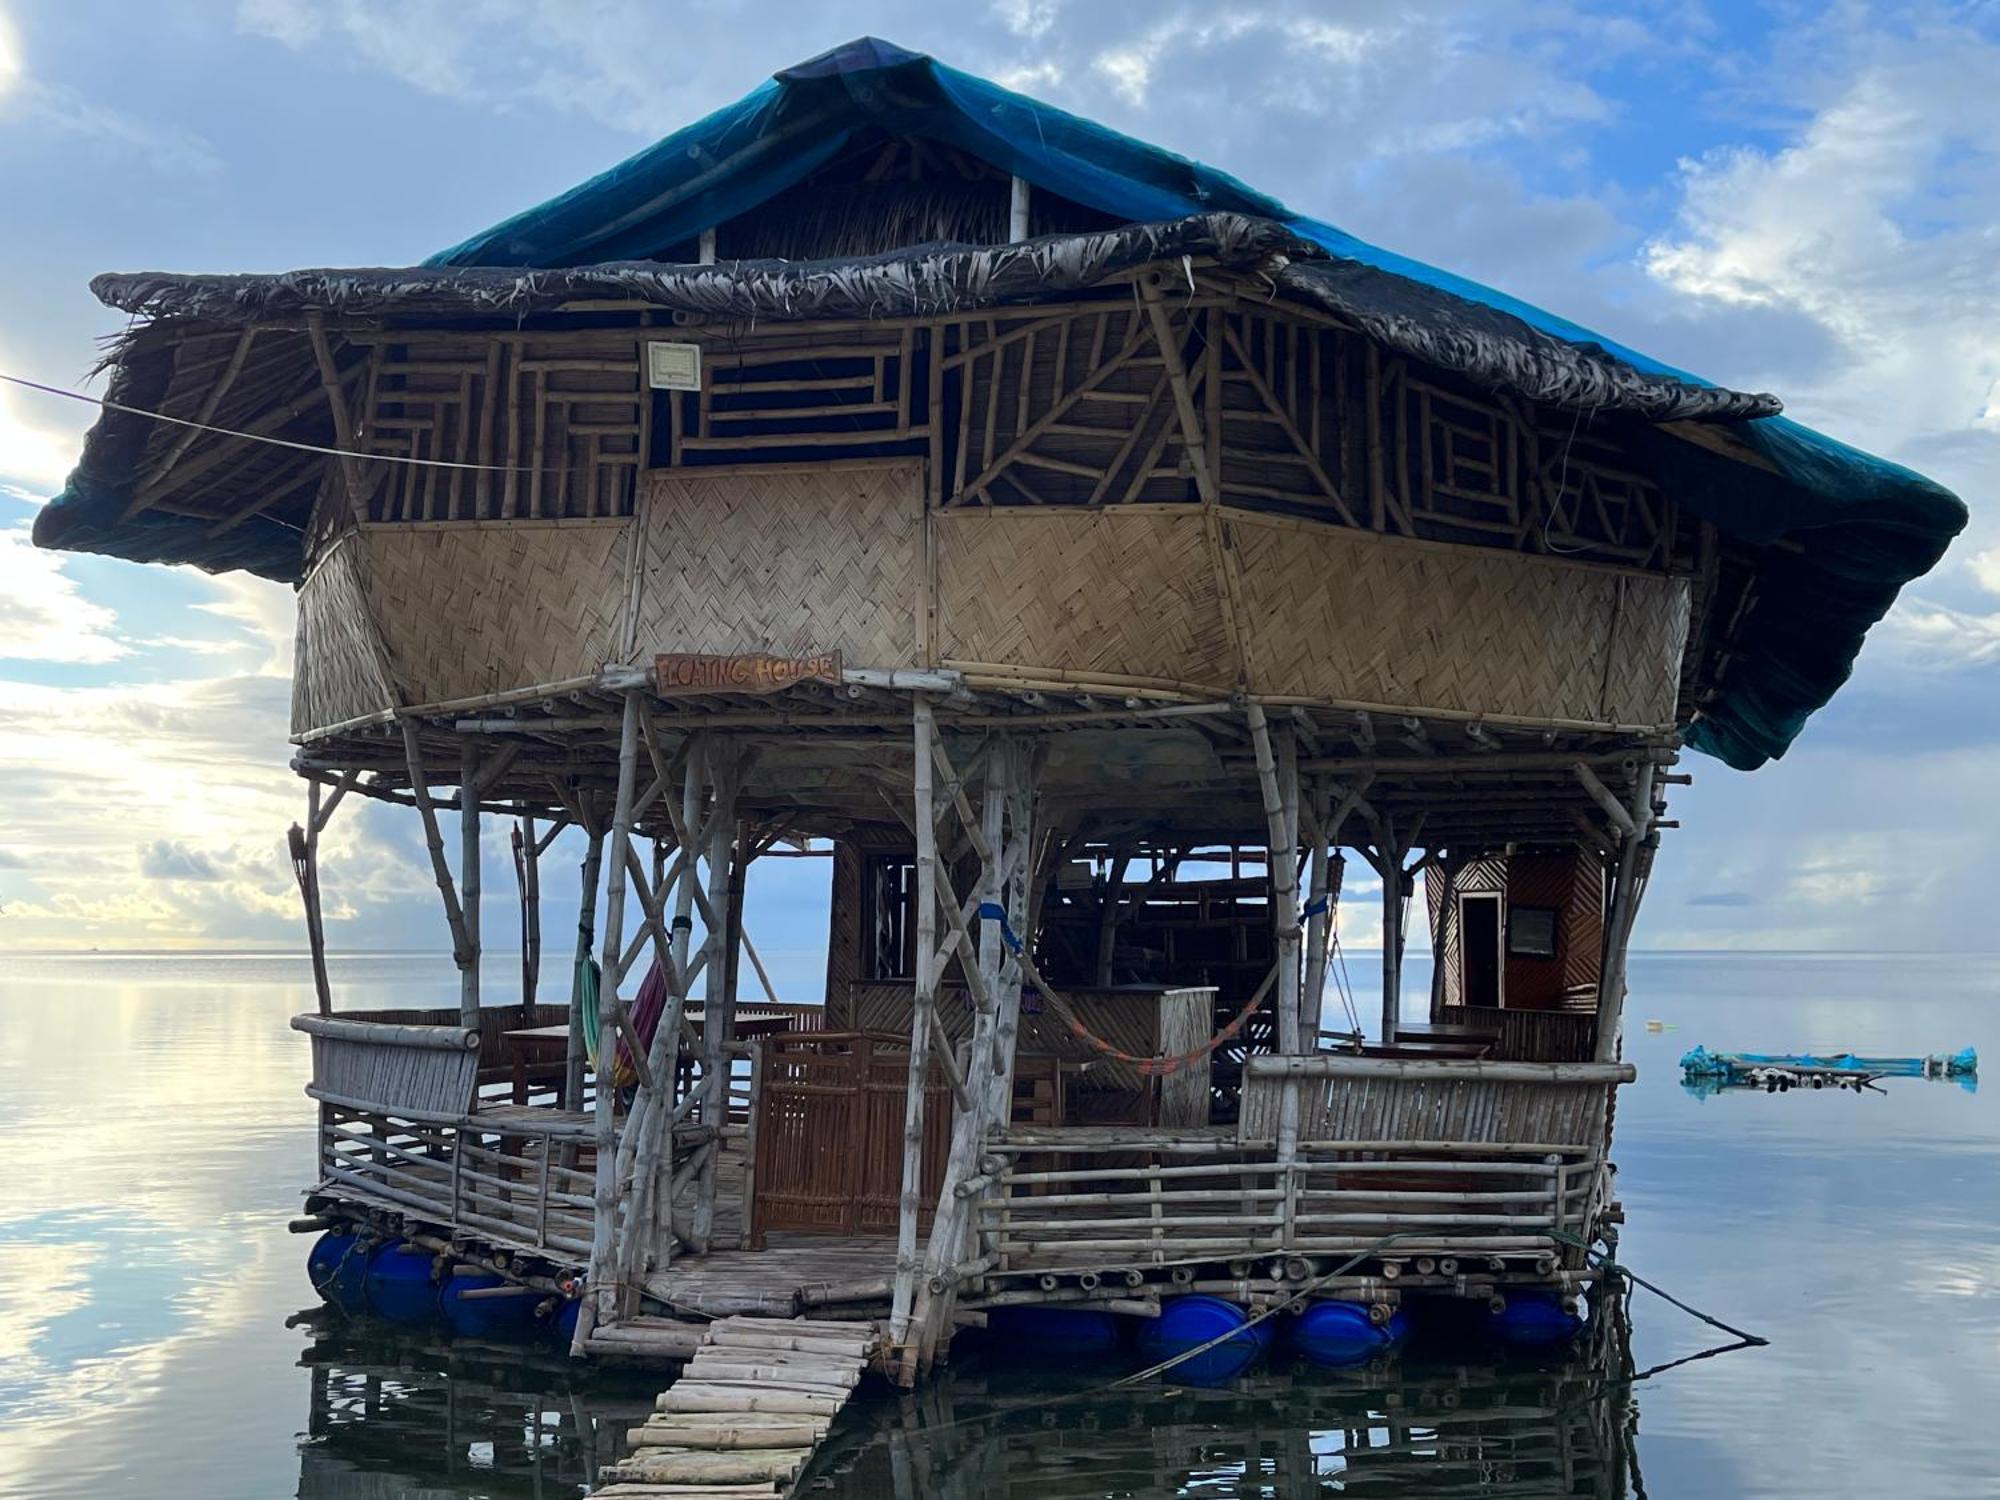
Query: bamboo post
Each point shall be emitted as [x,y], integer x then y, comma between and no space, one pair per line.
[1389,865]
[1107,918]
[719,1004]
[469,881]
[586,921]
[1634,862]
[527,875]
[604,1199]
[1019,857]
[305,865]
[1319,916]
[909,1207]
[420,793]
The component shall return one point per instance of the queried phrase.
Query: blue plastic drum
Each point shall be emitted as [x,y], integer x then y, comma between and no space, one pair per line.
[1189,1322]
[1535,1320]
[1053,1327]
[563,1324]
[338,1265]
[1338,1334]
[507,1317]
[399,1288]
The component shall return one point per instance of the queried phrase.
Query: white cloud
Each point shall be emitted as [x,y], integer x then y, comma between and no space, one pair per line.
[34,454]
[1875,221]
[44,616]
[10,54]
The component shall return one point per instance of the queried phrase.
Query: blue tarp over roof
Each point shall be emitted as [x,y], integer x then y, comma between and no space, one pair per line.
[1860,526]
[1855,528]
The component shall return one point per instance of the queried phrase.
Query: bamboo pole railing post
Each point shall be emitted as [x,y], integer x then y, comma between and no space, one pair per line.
[469,881]
[607,1298]
[909,1208]
[586,921]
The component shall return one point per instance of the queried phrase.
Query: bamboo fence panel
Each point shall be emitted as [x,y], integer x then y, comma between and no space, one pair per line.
[1077,1202]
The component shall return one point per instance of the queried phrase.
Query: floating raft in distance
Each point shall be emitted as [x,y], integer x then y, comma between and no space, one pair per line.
[1756,1068]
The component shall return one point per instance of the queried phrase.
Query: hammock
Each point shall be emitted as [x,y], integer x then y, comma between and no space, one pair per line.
[645,1011]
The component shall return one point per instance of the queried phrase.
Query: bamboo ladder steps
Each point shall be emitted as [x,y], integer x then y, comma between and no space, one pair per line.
[746,1414]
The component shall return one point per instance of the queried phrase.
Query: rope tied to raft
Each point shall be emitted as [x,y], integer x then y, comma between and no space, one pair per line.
[1603,1260]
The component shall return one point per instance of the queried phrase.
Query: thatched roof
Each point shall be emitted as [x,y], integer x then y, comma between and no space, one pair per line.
[1855,528]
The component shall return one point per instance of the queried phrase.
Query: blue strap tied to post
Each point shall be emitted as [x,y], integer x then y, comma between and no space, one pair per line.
[992,911]
[1317,905]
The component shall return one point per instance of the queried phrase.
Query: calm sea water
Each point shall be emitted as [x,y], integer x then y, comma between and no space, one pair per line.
[153,1142]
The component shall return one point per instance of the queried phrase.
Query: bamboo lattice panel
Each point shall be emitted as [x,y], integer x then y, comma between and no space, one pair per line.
[337,662]
[787,560]
[472,609]
[1339,615]
[1126,593]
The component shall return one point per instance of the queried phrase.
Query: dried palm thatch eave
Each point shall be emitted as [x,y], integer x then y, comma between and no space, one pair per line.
[1484,344]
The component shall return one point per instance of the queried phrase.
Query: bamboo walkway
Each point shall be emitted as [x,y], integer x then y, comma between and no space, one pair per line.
[743,1419]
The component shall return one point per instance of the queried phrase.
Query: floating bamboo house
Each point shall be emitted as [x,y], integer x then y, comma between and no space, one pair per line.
[1091,553]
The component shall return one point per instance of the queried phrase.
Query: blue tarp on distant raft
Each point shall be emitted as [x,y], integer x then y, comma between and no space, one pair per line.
[1863,526]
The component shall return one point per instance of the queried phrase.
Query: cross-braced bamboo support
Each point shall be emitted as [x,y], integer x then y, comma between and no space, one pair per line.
[1002,837]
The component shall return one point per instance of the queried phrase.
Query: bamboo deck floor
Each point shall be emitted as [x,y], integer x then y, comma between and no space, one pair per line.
[769,1282]
[743,1419]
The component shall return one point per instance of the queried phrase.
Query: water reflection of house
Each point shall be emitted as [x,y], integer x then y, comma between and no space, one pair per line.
[406,1419]
[1083,550]
[1555,1430]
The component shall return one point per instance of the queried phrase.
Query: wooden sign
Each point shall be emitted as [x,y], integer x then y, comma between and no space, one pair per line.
[678,674]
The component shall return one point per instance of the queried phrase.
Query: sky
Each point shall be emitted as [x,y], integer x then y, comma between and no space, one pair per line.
[1794,197]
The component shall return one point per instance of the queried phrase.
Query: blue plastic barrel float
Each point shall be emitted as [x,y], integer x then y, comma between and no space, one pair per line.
[1338,1334]
[1053,1327]
[1189,1322]
[1534,1319]
[398,1284]
[338,1265]
[563,1323]
[511,1316]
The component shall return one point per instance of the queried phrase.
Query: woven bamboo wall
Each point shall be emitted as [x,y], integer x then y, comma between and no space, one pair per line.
[473,609]
[1344,615]
[338,667]
[1572,883]
[783,559]
[1125,592]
